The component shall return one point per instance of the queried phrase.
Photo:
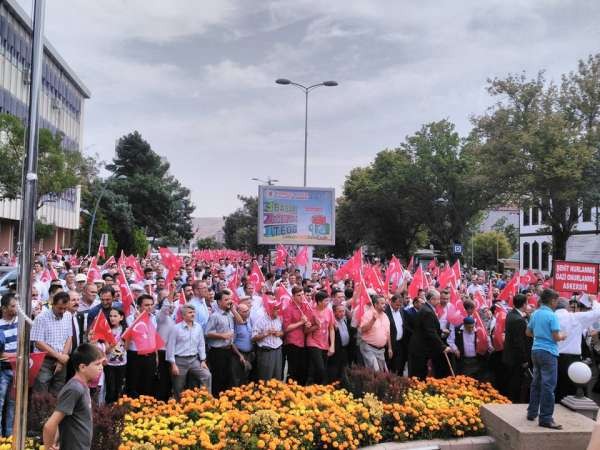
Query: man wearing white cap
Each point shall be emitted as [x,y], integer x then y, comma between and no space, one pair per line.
[80,281]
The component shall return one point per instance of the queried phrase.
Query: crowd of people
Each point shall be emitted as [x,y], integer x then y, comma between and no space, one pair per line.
[167,323]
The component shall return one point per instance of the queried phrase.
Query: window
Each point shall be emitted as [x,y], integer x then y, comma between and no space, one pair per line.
[586,213]
[525,216]
[545,256]
[535,216]
[535,256]
[526,255]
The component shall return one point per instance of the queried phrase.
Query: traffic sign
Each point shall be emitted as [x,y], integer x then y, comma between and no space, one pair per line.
[457,249]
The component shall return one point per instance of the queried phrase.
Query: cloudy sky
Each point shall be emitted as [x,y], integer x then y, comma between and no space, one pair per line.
[196,78]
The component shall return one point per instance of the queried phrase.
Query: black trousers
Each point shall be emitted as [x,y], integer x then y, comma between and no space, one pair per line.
[318,364]
[164,377]
[140,374]
[220,361]
[296,360]
[564,385]
[398,361]
[114,379]
[337,363]
[514,383]
[417,365]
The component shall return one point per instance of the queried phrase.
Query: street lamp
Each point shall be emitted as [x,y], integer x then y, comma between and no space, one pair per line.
[306,90]
[270,181]
[93,219]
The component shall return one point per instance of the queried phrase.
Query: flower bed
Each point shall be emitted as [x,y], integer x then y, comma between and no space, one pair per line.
[277,416]
[280,416]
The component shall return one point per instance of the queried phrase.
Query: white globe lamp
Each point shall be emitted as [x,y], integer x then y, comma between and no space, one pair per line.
[580,374]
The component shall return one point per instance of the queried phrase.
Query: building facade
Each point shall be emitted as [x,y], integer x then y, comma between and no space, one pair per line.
[61,111]
[536,245]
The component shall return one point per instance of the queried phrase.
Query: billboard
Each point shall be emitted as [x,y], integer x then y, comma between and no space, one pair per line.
[576,277]
[296,215]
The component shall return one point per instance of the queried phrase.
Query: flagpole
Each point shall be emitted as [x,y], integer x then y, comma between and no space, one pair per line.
[27,228]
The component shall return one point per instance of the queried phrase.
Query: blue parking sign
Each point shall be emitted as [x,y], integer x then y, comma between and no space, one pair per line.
[457,249]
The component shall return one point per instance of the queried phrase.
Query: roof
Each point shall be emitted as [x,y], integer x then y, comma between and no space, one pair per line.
[26,21]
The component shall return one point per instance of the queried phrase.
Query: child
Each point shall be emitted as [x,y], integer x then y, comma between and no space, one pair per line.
[114,371]
[73,413]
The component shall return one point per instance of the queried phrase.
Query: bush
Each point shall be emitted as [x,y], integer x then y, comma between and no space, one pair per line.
[386,386]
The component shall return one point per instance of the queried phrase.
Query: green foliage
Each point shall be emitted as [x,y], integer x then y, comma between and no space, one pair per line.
[540,145]
[488,248]
[160,205]
[240,228]
[209,243]
[58,169]
[140,242]
[422,190]
[510,231]
[43,230]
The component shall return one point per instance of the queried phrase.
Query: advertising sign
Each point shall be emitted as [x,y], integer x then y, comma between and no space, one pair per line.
[572,276]
[296,215]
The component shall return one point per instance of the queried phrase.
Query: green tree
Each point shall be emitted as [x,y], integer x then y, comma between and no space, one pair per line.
[208,243]
[488,247]
[240,228]
[510,231]
[160,205]
[58,169]
[539,146]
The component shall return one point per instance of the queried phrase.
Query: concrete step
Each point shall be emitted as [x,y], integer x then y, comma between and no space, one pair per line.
[509,426]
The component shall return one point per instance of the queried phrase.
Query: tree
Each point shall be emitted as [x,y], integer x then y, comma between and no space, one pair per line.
[539,146]
[58,169]
[240,228]
[488,247]
[160,205]
[510,231]
[209,243]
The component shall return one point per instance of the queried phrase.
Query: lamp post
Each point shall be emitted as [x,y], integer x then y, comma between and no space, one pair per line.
[306,90]
[269,181]
[93,219]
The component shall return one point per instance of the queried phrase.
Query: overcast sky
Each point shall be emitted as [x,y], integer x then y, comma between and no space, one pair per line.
[196,78]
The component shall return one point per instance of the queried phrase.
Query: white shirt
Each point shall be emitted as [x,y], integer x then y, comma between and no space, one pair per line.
[573,325]
[397,316]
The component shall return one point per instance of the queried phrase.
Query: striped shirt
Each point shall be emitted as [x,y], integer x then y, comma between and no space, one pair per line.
[9,328]
[265,324]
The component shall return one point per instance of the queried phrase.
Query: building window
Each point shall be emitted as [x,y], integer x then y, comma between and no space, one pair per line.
[545,256]
[525,217]
[526,255]
[535,216]
[586,213]
[535,255]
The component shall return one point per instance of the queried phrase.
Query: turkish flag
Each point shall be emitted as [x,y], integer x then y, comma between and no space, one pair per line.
[101,252]
[418,282]
[46,276]
[529,278]
[454,315]
[498,334]
[393,274]
[144,335]
[35,363]
[93,275]
[100,330]
[327,286]
[447,276]
[457,273]
[233,284]
[302,256]
[256,277]
[363,300]
[372,279]
[281,256]
[126,294]
[478,299]
[480,335]
[281,294]
[411,264]
[510,290]
[352,268]
[109,262]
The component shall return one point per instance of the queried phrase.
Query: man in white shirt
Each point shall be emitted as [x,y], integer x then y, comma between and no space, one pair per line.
[574,325]
[395,313]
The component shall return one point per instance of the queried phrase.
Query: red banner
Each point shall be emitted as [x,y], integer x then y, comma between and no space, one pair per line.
[576,277]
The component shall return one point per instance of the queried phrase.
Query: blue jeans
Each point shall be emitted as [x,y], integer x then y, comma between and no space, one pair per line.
[545,370]
[6,401]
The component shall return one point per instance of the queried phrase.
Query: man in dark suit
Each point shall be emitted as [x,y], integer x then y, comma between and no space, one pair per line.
[516,350]
[426,341]
[344,341]
[396,315]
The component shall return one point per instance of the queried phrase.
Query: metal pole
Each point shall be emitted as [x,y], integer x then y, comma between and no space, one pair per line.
[305,134]
[93,219]
[27,229]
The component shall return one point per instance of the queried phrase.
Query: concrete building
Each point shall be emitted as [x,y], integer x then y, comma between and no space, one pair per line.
[61,110]
[536,245]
